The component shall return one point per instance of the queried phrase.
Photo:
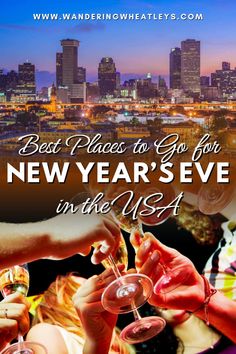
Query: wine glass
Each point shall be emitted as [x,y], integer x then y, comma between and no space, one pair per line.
[32,347]
[127,293]
[16,279]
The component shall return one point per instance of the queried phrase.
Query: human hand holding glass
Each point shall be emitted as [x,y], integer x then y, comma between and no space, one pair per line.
[127,292]
[16,279]
[189,295]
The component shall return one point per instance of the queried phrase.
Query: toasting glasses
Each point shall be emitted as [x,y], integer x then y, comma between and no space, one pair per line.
[16,279]
[170,279]
[127,293]
[113,297]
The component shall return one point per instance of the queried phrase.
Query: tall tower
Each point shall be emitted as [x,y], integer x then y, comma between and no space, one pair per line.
[107,76]
[27,77]
[69,61]
[59,66]
[175,68]
[76,90]
[53,99]
[25,90]
[190,65]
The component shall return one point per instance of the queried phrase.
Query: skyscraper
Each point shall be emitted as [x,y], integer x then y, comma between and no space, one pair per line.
[225,80]
[69,61]
[25,89]
[175,68]
[107,77]
[190,65]
[76,90]
[27,77]
[81,74]
[59,66]
[118,81]
[3,81]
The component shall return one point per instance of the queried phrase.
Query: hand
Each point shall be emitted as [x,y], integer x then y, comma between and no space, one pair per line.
[150,255]
[76,233]
[14,318]
[97,323]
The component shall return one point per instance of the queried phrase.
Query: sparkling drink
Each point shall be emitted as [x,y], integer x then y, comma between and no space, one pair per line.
[119,254]
[14,279]
[125,222]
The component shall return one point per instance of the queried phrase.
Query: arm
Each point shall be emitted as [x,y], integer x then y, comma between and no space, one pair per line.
[20,243]
[57,238]
[191,294]
[222,315]
[101,347]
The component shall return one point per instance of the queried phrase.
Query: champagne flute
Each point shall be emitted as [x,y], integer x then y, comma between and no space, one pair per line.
[127,293]
[16,279]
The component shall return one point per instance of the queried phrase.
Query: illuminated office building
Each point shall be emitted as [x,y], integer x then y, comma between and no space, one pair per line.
[175,68]
[190,66]
[107,77]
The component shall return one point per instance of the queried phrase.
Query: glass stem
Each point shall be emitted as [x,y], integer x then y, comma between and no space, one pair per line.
[114,266]
[20,342]
[136,314]
[140,230]
[118,275]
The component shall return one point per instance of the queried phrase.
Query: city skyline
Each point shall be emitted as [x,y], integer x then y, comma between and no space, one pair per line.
[121,42]
[50,77]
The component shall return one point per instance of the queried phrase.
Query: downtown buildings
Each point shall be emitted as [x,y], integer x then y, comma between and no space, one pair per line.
[185,79]
[186,84]
[185,69]
[18,86]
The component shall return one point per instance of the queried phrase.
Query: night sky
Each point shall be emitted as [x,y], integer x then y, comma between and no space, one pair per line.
[137,47]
